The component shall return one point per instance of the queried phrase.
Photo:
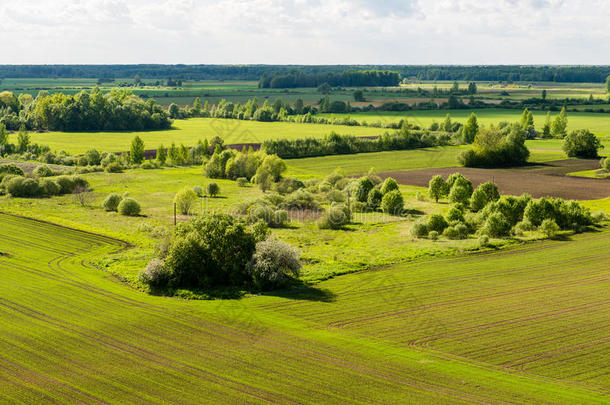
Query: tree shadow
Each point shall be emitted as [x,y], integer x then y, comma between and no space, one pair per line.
[303,292]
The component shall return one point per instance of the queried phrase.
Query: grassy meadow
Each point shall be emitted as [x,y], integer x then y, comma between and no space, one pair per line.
[399,334]
[192,130]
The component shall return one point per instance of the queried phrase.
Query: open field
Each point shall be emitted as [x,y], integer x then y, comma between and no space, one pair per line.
[192,130]
[402,334]
[361,163]
[599,123]
[542,180]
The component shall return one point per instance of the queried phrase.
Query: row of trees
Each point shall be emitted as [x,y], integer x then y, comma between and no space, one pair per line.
[116,110]
[348,78]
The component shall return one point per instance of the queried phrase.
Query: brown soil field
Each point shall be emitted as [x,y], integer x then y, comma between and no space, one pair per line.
[539,180]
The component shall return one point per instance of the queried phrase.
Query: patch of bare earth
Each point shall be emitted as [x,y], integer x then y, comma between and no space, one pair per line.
[539,180]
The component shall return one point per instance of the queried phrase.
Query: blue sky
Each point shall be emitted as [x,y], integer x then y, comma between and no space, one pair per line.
[306,31]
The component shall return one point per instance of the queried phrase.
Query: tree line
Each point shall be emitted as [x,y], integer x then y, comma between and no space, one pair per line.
[349,78]
[117,110]
[571,74]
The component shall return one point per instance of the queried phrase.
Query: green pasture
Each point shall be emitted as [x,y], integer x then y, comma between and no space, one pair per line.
[192,130]
[438,331]
[599,123]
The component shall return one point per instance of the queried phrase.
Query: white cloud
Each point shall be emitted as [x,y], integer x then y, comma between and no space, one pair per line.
[305,31]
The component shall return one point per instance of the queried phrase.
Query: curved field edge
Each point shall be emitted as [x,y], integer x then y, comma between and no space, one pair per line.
[73,334]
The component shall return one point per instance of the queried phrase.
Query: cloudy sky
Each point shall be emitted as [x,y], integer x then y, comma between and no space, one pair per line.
[306,31]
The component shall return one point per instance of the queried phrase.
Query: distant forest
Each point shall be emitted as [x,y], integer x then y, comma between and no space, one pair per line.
[570,74]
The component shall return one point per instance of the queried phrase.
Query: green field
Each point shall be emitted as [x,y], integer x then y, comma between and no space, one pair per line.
[404,334]
[599,123]
[192,130]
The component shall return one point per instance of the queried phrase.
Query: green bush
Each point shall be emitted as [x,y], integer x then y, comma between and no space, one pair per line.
[335,218]
[437,223]
[212,189]
[287,186]
[420,229]
[484,194]
[388,185]
[301,199]
[454,214]
[496,225]
[23,187]
[374,199]
[211,251]
[483,240]
[184,200]
[156,274]
[198,190]
[363,188]
[581,144]
[242,182]
[494,147]
[273,218]
[10,168]
[549,228]
[66,184]
[605,164]
[274,264]
[113,167]
[43,171]
[336,196]
[393,203]
[112,201]
[129,207]
[450,233]
[433,235]
[49,187]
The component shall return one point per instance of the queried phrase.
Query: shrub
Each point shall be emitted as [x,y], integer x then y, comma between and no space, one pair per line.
[549,228]
[437,188]
[156,274]
[274,264]
[388,185]
[605,164]
[287,186]
[393,203]
[581,144]
[111,203]
[23,187]
[10,168]
[496,225]
[210,251]
[450,233]
[113,167]
[335,218]
[433,235]
[437,223]
[273,218]
[521,227]
[49,187]
[495,147]
[184,200]
[198,190]
[301,199]
[484,193]
[93,157]
[363,188]
[242,182]
[483,240]
[336,196]
[374,198]
[357,206]
[459,194]
[129,207]
[420,229]
[212,189]
[454,214]
[43,171]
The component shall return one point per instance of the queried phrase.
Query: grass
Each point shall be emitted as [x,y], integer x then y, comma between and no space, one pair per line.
[190,131]
[599,123]
[404,334]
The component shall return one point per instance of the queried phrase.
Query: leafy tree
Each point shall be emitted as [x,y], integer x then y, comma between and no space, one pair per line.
[363,188]
[527,119]
[549,228]
[23,139]
[359,95]
[543,95]
[472,88]
[3,136]
[374,198]
[298,106]
[546,129]
[455,88]
[274,264]
[388,185]
[393,203]
[174,110]
[560,124]
[437,188]
[484,194]
[324,88]
[161,155]
[437,223]
[608,84]
[93,157]
[212,189]
[136,153]
[496,225]
[184,200]
[197,107]
[471,128]
[581,144]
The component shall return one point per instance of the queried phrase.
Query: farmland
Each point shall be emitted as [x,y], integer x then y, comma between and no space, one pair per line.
[362,338]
